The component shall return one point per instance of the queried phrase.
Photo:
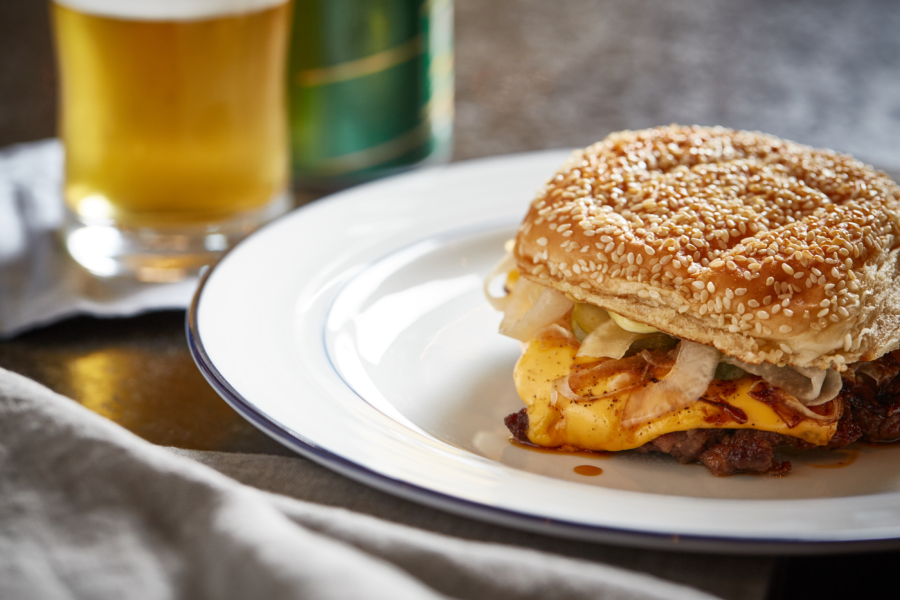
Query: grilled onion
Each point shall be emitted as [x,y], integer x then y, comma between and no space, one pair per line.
[791,410]
[630,371]
[688,380]
[810,386]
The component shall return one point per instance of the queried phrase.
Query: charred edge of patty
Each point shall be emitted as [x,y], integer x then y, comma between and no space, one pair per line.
[517,423]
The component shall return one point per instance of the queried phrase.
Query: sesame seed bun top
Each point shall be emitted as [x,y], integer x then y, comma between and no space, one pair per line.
[767,249]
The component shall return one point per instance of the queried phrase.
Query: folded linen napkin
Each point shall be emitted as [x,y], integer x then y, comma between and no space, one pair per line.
[39,282]
[88,510]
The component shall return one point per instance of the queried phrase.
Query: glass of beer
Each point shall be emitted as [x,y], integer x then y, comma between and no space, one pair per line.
[173,116]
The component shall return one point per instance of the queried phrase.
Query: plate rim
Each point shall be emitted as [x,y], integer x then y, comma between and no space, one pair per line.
[468,508]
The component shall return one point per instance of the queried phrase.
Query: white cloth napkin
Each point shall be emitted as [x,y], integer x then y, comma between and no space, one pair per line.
[39,282]
[88,510]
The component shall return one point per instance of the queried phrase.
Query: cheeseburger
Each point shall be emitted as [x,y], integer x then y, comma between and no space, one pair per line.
[709,294]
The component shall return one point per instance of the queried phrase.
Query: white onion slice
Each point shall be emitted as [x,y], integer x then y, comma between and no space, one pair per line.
[522,324]
[607,341]
[506,264]
[518,302]
[694,370]
[810,386]
[831,387]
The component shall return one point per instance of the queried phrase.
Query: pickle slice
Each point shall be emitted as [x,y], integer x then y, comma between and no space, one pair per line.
[588,317]
[632,326]
[580,333]
[728,372]
[651,342]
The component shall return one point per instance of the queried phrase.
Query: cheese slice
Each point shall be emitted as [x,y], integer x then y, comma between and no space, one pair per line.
[596,424]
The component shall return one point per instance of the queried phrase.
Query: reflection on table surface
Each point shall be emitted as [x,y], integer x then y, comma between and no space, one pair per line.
[138,373]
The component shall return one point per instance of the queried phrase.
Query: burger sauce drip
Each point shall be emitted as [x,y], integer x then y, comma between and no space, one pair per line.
[558,451]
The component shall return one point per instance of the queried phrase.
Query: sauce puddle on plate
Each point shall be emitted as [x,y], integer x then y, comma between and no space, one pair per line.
[848,457]
[588,470]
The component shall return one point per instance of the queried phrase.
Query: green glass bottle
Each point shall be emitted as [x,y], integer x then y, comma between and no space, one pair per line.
[371,88]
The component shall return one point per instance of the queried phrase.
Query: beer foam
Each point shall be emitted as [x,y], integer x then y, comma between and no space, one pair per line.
[167,10]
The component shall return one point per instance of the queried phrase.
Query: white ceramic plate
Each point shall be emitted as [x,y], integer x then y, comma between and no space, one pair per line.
[354,331]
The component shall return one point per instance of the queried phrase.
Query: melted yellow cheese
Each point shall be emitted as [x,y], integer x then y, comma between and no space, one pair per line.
[596,424]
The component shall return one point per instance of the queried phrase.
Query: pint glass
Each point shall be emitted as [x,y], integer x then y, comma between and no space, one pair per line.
[173,116]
